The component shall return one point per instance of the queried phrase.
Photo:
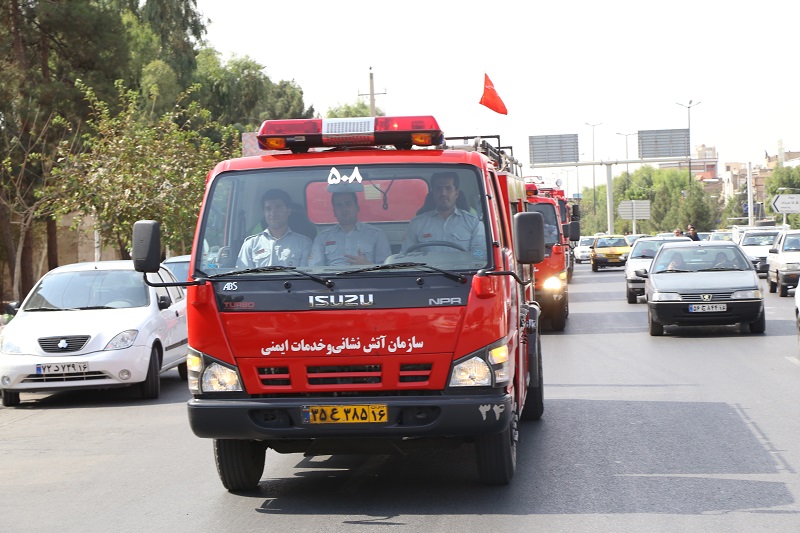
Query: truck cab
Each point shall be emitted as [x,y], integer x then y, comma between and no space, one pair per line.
[361,288]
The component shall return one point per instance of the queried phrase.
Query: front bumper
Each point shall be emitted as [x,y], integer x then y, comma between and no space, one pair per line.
[609,261]
[408,416]
[19,372]
[635,285]
[788,279]
[677,313]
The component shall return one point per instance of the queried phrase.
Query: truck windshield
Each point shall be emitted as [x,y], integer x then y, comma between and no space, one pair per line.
[548,211]
[332,218]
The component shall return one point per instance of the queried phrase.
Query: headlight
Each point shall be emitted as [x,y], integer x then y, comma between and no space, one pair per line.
[792,266]
[7,345]
[552,284]
[122,340]
[499,356]
[599,255]
[474,372]
[746,295]
[218,378]
[194,366]
[666,297]
[624,256]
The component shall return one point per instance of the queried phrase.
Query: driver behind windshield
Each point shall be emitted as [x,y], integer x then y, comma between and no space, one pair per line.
[446,222]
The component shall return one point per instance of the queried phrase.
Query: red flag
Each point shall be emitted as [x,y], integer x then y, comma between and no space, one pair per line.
[491,99]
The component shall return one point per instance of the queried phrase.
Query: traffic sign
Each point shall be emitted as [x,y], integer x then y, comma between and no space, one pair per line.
[634,209]
[786,203]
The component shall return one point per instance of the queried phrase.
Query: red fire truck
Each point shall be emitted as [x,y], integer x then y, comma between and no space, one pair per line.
[315,332]
[552,275]
[571,232]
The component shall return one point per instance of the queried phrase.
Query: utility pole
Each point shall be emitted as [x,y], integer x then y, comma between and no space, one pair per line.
[371,94]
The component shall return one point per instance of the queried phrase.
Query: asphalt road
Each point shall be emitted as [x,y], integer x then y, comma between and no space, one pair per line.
[698,430]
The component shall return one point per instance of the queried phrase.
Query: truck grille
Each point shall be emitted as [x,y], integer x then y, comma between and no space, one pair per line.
[319,375]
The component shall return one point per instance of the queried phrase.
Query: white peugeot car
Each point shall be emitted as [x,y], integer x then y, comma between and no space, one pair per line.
[582,250]
[640,257]
[94,326]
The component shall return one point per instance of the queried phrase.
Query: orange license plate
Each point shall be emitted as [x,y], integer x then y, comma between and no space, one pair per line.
[345,414]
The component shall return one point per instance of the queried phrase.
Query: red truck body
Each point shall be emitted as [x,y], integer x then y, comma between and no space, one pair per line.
[435,343]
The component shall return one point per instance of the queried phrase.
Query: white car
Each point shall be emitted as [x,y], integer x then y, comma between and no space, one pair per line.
[582,250]
[783,263]
[640,257]
[179,266]
[94,326]
[756,244]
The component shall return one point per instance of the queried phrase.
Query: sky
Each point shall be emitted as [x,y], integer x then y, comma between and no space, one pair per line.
[557,65]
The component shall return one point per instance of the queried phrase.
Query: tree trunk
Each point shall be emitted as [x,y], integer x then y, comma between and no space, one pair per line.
[52,244]
[26,272]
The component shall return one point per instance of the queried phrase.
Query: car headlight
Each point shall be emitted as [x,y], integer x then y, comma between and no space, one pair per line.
[473,372]
[624,256]
[218,378]
[792,266]
[122,340]
[552,284]
[746,295]
[665,297]
[9,346]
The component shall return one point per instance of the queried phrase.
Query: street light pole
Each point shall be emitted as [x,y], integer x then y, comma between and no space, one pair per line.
[689,107]
[594,185]
[627,170]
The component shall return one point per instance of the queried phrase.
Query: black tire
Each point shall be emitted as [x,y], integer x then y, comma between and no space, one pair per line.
[10,398]
[773,286]
[655,329]
[760,325]
[783,290]
[150,388]
[183,372]
[594,267]
[240,463]
[534,401]
[632,298]
[497,455]
[559,319]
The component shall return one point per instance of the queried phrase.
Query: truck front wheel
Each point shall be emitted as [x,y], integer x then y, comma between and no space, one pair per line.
[240,463]
[497,455]
[534,400]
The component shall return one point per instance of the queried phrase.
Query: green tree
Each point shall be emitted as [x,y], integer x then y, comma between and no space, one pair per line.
[134,169]
[359,108]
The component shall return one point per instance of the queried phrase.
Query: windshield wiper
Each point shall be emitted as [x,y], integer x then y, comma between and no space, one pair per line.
[51,309]
[89,307]
[323,281]
[719,268]
[452,275]
[671,270]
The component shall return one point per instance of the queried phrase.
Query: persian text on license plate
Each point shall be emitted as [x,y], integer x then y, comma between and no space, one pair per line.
[344,414]
[707,308]
[61,368]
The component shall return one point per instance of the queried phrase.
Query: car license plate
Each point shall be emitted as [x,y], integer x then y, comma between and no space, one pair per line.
[707,308]
[345,414]
[61,368]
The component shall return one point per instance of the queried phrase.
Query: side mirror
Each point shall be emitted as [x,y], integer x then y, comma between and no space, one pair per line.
[565,230]
[528,237]
[574,231]
[12,308]
[642,272]
[146,246]
[773,250]
[163,302]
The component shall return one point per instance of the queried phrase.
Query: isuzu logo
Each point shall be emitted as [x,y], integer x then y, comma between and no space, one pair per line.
[706,297]
[340,300]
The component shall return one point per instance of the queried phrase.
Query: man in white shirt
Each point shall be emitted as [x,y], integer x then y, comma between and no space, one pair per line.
[446,222]
[277,245]
[350,242]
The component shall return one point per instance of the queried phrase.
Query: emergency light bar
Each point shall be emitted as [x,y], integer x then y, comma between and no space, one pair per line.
[298,135]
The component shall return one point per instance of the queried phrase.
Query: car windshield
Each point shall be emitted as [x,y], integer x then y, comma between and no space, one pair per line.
[586,241]
[758,239]
[179,269]
[88,289]
[720,236]
[792,244]
[333,218]
[700,259]
[609,242]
